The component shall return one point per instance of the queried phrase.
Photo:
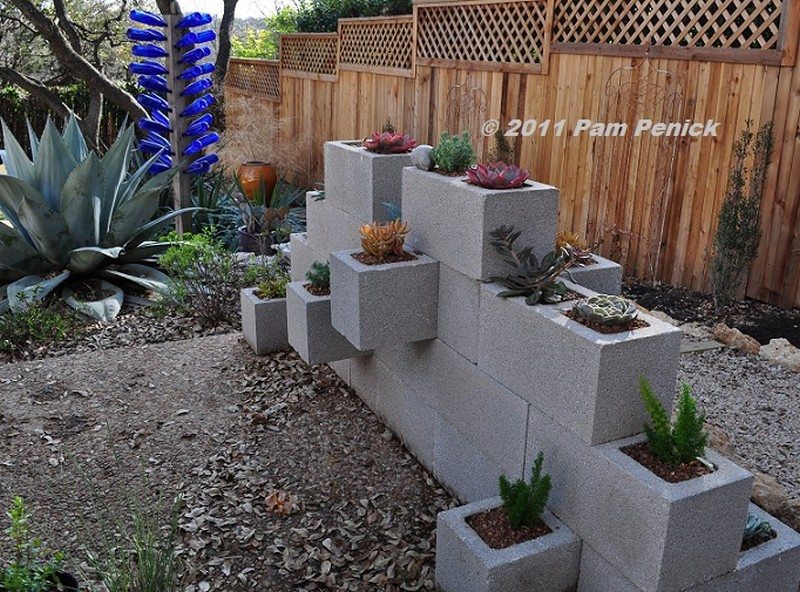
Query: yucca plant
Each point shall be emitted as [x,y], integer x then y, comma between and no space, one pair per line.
[76,218]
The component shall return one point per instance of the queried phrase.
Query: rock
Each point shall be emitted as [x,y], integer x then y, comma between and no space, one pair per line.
[791,514]
[769,494]
[719,440]
[421,157]
[662,316]
[697,330]
[735,338]
[780,351]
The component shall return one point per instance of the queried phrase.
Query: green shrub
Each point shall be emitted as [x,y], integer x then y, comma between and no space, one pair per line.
[37,324]
[319,277]
[271,278]
[503,151]
[453,154]
[523,503]
[678,444]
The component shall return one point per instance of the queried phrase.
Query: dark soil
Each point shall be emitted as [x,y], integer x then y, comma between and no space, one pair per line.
[755,542]
[496,531]
[761,321]
[607,329]
[674,474]
[318,291]
[368,259]
[90,291]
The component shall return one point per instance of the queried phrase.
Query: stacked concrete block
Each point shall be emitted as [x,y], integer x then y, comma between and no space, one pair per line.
[464,563]
[264,322]
[302,256]
[460,298]
[587,381]
[603,276]
[451,219]
[328,228]
[379,305]
[361,182]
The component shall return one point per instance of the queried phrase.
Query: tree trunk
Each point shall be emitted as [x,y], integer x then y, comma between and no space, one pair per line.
[224,45]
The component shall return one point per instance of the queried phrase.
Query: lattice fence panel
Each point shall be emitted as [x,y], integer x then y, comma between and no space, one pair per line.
[262,77]
[496,32]
[733,24]
[309,55]
[377,44]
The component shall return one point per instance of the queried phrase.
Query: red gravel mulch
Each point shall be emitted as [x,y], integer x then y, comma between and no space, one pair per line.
[317,291]
[496,531]
[607,329]
[368,259]
[642,454]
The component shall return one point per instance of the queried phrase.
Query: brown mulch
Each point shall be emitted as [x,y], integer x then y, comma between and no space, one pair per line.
[317,291]
[607,329]
[368,259]
[642,454]
[496,531]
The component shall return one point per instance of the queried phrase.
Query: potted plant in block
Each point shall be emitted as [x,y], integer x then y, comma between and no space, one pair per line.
[308,311]
[590,270]
[507,543]
[360,176]
[471,201]
[264,307]
[268,219]
[384,294]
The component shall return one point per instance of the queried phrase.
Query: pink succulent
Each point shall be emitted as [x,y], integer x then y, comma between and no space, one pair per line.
[497,175]
[389,143]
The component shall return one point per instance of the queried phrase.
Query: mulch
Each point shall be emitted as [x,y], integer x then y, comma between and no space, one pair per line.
[317,291]
[496,531]
[368,259]
[607,329]
[642,454]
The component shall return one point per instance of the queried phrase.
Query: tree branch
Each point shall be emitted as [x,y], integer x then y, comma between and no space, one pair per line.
[38,90]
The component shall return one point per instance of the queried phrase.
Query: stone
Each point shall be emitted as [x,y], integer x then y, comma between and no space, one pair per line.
[464,563]
[781,352]
[603,276]
[736,339]
[379,305]
[664,317]
[769,494]
[264,323]
[421,157]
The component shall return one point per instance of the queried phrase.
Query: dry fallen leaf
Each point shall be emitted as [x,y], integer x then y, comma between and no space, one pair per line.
[279,502]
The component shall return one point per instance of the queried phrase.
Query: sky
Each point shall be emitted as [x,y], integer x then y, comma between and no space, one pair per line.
[244,9]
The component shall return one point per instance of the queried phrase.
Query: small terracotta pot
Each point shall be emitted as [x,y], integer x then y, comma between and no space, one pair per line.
[250,243]
[255,173]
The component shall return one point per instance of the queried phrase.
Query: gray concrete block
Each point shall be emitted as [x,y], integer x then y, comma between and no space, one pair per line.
[459,309]
[379,305]
[464,563]
[309,327]
[342,369]
[451,220]
[359,182]
[302,256]
[328,228]
[264,323]
[603,276]
[586,381]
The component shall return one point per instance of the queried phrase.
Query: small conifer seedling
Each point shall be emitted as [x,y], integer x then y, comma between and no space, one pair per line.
[523,503]
[319,278]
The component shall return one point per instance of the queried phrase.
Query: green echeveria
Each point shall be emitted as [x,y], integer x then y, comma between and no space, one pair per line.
[606,309]
[70,213]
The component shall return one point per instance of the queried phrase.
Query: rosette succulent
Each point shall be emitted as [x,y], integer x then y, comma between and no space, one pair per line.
[383,240]
[606,309]
[389,143]
[75,219]
[497,175]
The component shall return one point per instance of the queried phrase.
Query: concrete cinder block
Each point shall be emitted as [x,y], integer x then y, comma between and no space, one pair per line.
[464,563]
[603,276]
[264,322]
[328,228]
[360,182]
[587,381]
[302,256]
[451,219]
[342,369]
[309,327]
[460,307]
[379,305]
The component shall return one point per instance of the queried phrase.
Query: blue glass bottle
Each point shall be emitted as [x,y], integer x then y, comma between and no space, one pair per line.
[149,68]
[198,53]
[151,125]
[200,143]
[199,126]
[196,70]
[149,147]
[158,116]
[195,38]
[194,19]
[159,167]
[158,139]
[145,35]
[155,83]
[197,87]
[148,50]
[198,105]
[202,165]
[153,102]
[148,18]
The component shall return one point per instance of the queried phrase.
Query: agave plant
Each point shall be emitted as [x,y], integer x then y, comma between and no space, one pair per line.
[497,175]
[389,143]
[606,309]
[74,218]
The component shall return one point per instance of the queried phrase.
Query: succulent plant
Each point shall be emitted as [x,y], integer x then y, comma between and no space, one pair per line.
[319,277]
[537,281]
[497,175]
[583,252]
[382,240]
[71,214]
[453,154]
[756,530]
[389,143]
[606,309]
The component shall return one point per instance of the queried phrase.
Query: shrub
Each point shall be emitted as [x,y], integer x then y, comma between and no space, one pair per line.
[678,444]
[502,151]
[36,324]
[523,503]
[738,229]
[271,278]
[319,277]
[453,154]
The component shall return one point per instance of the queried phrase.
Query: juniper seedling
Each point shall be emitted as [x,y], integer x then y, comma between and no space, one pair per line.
[523,503]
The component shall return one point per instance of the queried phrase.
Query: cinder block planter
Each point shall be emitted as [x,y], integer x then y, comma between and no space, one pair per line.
[603,276]
[586,381]
[264,323]
[359,182]
[464,563]
[451,219]
[303,256]
[329,228]
[387,304]
[309,327]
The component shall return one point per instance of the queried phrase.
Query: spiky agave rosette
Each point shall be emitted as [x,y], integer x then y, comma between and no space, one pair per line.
[606,309]
[73,215]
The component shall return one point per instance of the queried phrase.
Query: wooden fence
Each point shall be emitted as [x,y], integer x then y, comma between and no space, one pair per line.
[652,201]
